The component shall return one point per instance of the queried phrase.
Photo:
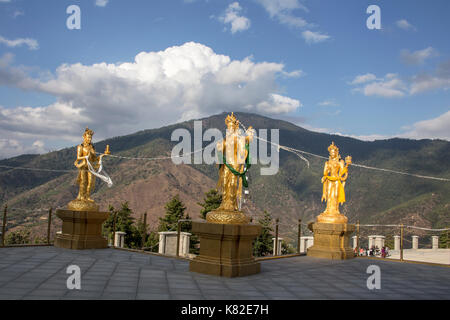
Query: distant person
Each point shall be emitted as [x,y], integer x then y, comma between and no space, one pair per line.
[361,251]
[383,252]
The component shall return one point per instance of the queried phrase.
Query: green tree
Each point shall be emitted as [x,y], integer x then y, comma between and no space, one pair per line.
[389,242]
[152,242]
[263,244]
[124,223]
[174,211]
[444,241]
[39,240]
[21,236]
[286,248]
[141,230]
[211,201]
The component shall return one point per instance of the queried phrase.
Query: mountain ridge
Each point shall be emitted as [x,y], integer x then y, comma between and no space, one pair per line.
[293,193]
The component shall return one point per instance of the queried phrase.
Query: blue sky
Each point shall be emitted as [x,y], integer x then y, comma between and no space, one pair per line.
[314,63]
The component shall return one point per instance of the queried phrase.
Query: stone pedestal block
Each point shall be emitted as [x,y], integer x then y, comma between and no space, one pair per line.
[119,239]
[396,243]
[331,241]
[435,242]
[305,243]
[355,242]
[225,249]
[168,243]
[415,242]
[81,229]
[280,241]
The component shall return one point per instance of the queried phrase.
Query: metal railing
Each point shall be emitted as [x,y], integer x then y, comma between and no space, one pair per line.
[398,234]
[5,222]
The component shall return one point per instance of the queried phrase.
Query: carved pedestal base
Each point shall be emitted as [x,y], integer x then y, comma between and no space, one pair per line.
[227,217]
[81,229]
[331,241]
[225,249]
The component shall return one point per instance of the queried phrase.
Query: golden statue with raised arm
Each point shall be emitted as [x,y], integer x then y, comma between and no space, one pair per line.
[85,179]
[335,173]
[234,151]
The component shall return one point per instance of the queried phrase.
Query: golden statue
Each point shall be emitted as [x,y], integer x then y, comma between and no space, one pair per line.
[85,179]
[335,173]
[235,153]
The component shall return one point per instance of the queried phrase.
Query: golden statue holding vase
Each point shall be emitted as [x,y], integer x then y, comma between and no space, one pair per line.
[331,230]
[335,173]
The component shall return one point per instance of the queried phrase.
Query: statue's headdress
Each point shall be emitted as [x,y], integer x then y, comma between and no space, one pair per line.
[231,119]
[333,147]
[88,131]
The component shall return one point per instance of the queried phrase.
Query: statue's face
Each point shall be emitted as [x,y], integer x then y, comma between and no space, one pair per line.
[230,127]
[333,153]
[87,138]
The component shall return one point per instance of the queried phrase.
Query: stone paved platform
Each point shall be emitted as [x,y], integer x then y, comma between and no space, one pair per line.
[40,273]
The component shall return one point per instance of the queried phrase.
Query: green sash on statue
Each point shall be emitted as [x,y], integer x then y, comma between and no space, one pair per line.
[237,173]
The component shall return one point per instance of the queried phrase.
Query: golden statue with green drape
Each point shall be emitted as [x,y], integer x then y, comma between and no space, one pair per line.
[234,152]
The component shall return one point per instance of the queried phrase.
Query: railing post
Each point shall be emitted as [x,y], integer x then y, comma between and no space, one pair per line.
[276,237]
[49,225]
[401,242]
[145,230]
[4,225]
[357,237]
[178,237]
[447,238]
[299,234]
[114,229]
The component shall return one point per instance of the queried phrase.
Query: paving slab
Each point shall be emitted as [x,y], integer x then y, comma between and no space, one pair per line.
[40,273]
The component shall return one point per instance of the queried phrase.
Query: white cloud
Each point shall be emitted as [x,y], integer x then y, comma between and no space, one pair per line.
[366,137]
[31,43]
[437,128]
[417,57]
[6,59]
[427,82]
[329,103]
[405,25]
[314,37]
[101,3]
[391,86]
[282,10]
[232,16]
[155,89]
[5,1]
[18,13]
[12,147]
[294,73]
[278,104]
[364,78]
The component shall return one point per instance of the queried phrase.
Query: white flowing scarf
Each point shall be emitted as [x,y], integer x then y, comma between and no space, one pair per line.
[104,176]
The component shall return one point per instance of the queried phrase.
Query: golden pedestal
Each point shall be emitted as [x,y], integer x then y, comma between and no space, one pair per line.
[81,229]
[225,249]
[331,241]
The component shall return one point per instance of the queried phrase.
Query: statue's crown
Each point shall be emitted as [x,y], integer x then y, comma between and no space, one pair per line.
[231,118]
[333,147]
[88,131]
